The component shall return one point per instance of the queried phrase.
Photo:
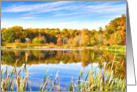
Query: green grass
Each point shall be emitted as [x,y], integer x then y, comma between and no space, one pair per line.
[114,48]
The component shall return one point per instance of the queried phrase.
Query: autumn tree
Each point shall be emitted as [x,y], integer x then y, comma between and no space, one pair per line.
[65,33]
[123,40]
[118,38]
[77,41]
[31,33]
[59,41]
[65,40]
[71,33]
[93,38]
[57,32]
[100,36]
[44,40]
[117,30]
[118,24]
[3,29]
[113,34]
[85,37]
[100,31]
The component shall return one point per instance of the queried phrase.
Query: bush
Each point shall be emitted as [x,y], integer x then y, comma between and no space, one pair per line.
[37,40]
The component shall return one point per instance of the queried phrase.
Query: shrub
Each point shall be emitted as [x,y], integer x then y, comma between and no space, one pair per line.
[37,40]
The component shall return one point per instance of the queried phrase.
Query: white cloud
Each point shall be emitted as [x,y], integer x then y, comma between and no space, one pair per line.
[66,14]
[64,9]
[106,8]
[64,5]
[99,8]
[36,7]
[28,17]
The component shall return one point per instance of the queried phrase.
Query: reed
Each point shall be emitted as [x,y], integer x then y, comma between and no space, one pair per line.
[95,80]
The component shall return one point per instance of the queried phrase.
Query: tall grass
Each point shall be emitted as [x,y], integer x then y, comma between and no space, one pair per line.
[13,79]
[95,80]
[98,81]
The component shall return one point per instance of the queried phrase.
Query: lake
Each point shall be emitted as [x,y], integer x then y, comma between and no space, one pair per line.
[66,62]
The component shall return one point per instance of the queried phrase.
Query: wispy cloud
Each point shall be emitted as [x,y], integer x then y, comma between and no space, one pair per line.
[45,7]
[106,8]
[66,5]
[95,9]
[61,14]
[27,17]
[66,14]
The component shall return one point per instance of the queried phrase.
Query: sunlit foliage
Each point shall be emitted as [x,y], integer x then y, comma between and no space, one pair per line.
[37,40]
[8,35]
[113,34]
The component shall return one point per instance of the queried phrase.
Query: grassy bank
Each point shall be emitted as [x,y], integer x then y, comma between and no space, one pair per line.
[30,45]
[46,46]
[116,48]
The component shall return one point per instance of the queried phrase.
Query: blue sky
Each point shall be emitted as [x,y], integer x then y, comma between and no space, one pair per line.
[60,14]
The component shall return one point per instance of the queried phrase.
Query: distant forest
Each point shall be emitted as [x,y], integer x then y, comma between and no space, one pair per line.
[113,34]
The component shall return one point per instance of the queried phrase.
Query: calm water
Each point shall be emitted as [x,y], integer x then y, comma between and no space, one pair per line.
[67,62]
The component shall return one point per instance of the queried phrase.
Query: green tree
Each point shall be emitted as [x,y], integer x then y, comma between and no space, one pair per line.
[65,33]
[31,33]
[71,33]
[8,35]
[117,38]
[18,30]
[100,31]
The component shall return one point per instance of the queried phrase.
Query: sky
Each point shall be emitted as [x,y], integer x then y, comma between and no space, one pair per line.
[60,14]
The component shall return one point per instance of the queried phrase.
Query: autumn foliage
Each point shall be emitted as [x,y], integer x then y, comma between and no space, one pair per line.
[113,34]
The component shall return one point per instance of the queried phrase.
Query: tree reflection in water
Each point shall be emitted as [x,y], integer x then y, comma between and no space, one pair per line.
[85,57]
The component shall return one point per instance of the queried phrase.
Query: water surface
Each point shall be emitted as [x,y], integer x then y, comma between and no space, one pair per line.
[66,62]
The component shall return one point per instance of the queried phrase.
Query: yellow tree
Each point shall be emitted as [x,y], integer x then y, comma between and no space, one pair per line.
[85,37]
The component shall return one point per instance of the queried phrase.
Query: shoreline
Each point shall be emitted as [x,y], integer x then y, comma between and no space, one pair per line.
[39,49]
[121,49]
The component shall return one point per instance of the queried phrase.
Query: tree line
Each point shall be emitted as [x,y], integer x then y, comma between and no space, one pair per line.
[113,34]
